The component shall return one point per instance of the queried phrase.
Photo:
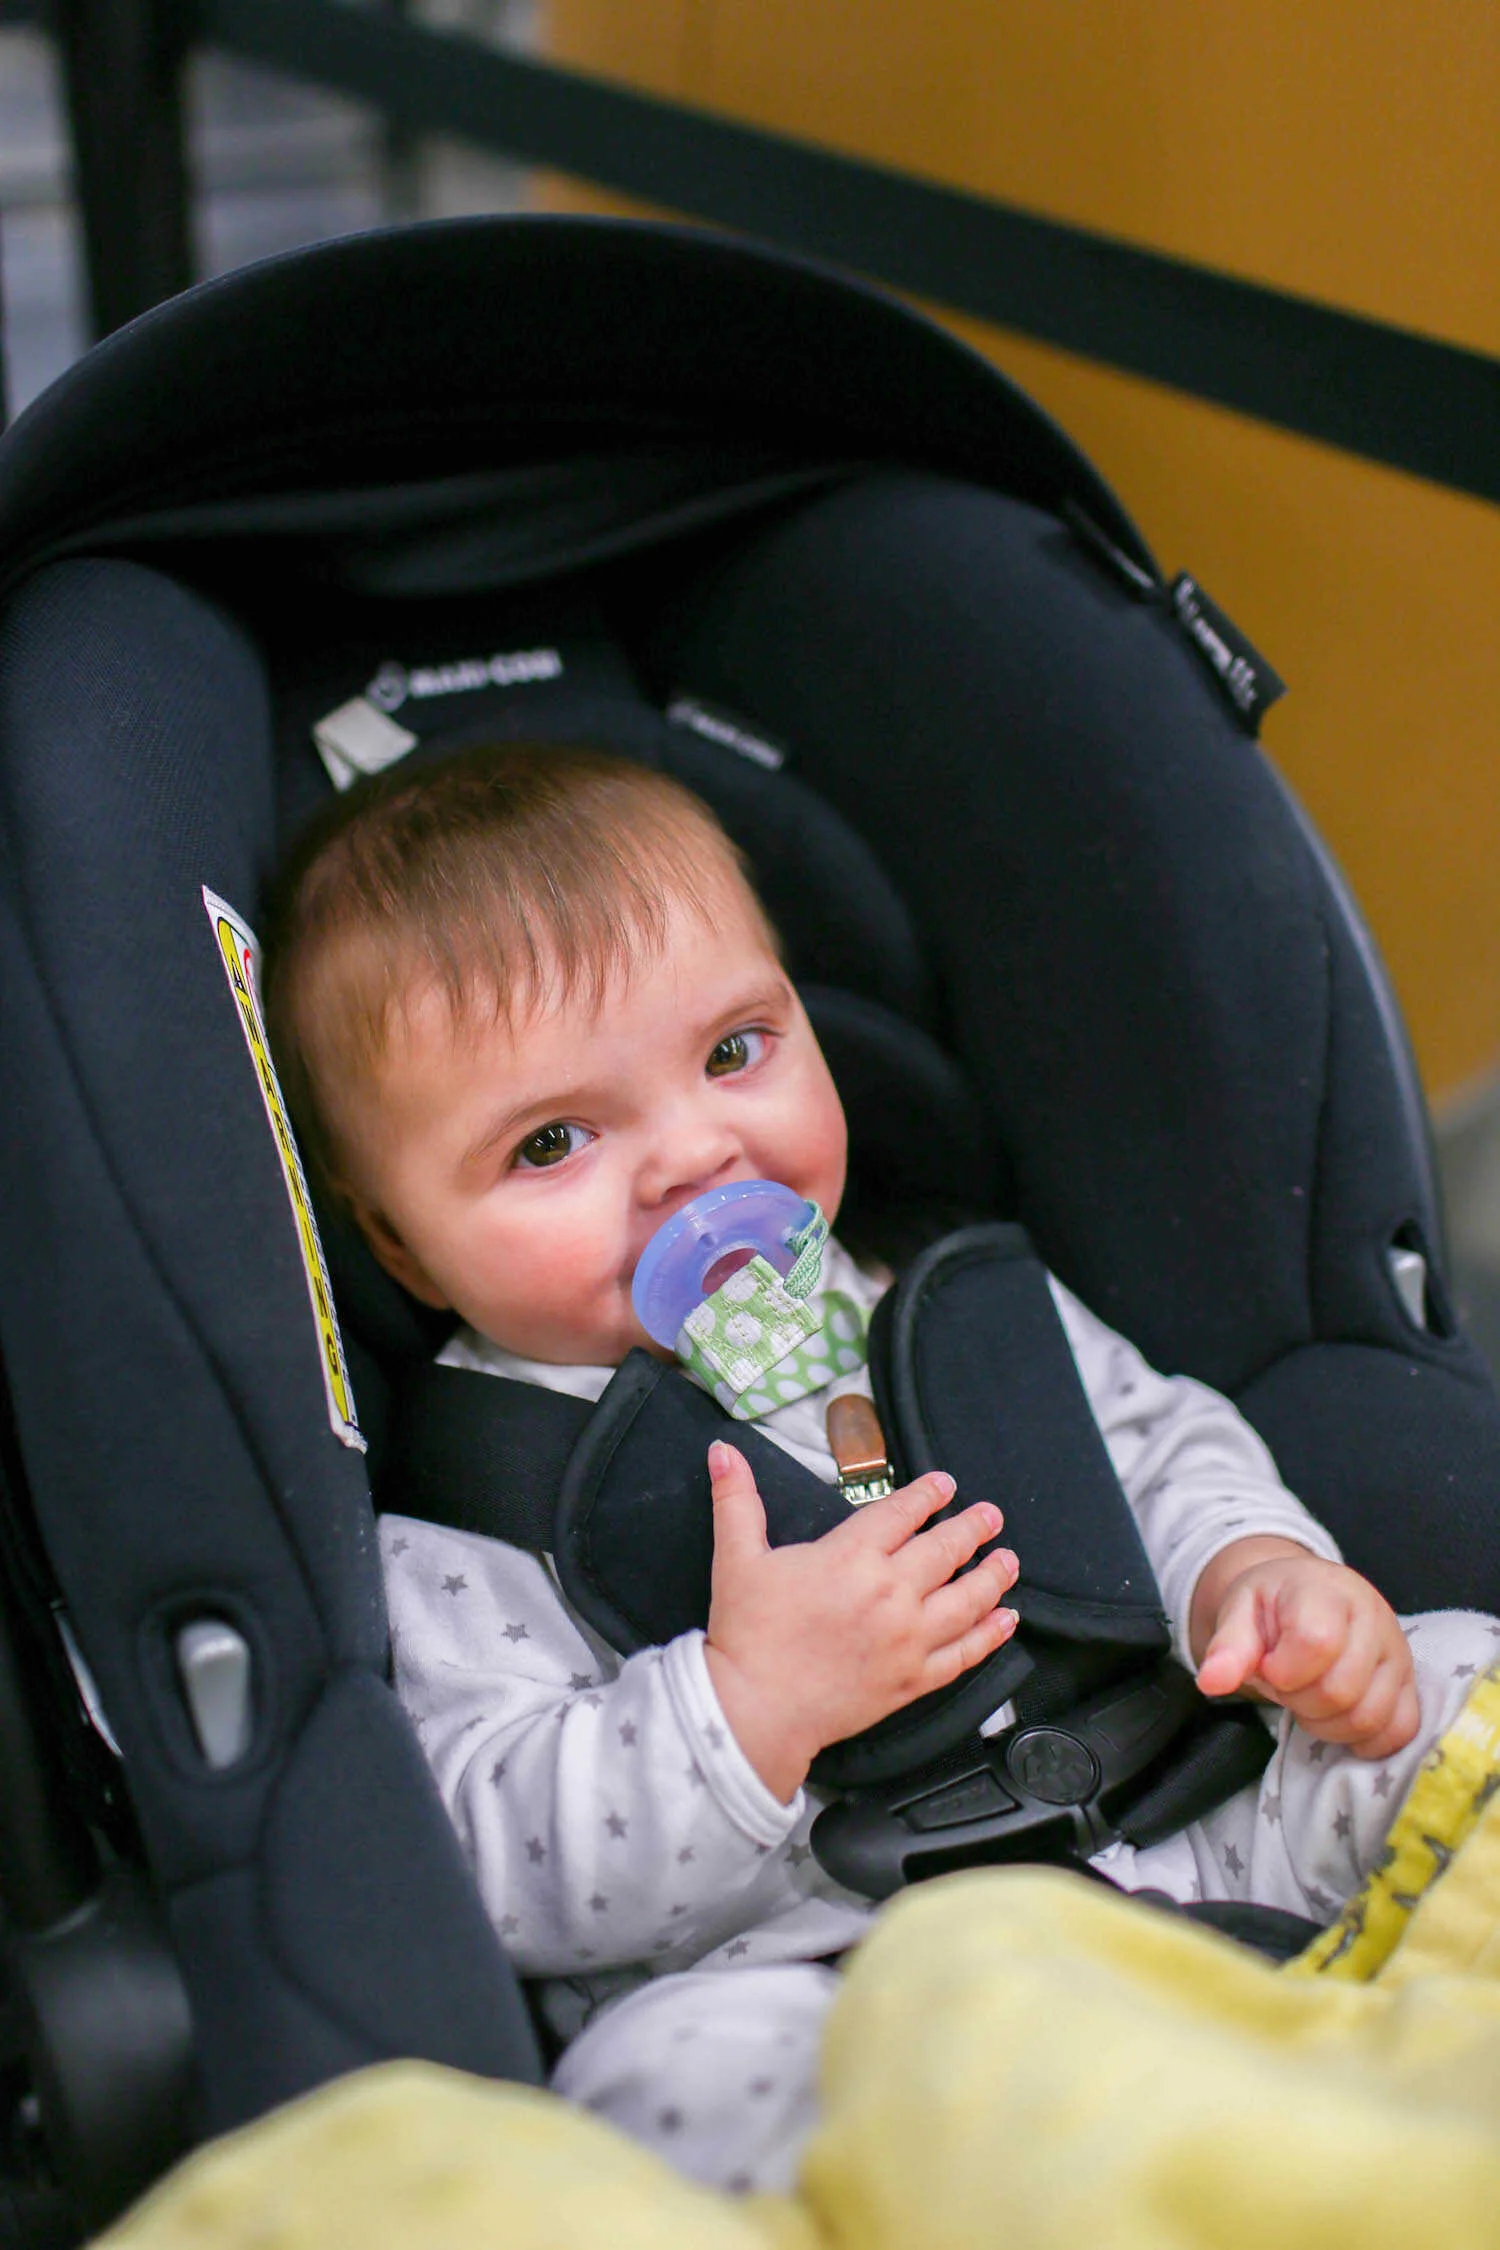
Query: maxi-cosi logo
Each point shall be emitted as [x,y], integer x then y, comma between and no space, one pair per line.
[393,684]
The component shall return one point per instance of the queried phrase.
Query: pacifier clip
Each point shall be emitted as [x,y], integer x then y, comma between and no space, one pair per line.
[857,1443]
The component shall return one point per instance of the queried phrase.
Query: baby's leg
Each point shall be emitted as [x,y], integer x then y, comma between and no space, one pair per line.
[716,2069]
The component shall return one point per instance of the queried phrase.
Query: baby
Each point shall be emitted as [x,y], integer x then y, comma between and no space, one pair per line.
[527,1006]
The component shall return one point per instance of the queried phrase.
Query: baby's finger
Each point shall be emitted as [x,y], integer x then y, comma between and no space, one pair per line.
[945,1664]
[1384,1719]
[1363,1719]
[1404,1722]
[1322,1663]
[930,1560]
[948,1613]
[1236,1650]
[739,1517]
[891,1522]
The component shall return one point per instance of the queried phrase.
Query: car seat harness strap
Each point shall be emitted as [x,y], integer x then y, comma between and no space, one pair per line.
[971,1372]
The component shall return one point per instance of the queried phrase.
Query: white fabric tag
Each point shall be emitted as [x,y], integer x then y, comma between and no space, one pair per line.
[356,739]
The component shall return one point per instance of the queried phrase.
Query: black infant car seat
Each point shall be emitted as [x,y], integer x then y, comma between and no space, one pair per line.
[1080,961]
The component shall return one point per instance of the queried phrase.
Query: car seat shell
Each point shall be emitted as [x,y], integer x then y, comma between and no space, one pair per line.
[808,497]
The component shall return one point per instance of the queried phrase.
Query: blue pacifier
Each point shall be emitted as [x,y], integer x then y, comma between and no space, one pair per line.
[708,1240]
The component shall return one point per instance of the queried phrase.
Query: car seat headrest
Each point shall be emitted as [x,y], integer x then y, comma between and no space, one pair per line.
[551,672]
[548,669]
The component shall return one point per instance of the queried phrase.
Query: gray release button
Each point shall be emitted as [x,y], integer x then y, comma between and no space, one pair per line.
[214,1663]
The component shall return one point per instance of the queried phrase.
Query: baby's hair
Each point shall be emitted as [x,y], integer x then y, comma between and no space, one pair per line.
[493,877]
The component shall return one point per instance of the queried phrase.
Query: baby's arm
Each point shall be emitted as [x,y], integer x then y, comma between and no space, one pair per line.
[1270,1619]
[606,1808]
[1234,1552]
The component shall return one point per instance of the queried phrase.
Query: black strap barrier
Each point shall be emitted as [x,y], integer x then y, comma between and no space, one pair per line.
[1387,393]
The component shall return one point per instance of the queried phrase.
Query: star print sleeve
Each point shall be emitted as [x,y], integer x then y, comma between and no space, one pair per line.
[605,1807]
[1195,1474]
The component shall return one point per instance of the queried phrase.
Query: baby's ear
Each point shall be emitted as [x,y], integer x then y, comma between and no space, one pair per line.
[392,1252]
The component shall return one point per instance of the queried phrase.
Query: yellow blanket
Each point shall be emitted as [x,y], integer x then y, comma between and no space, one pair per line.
[1017,2058]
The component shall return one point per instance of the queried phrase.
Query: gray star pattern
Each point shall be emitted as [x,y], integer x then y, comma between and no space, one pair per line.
[497,1772]
[1271,1809]
[1316,1753]
[508,1925]
[686,1855]
[797,1853]
[669,2120]
[536,1850]
[1343,1826]
[694,1774]
[628,1732]
[456,1583]
[1383,1784]
[599,1903]
[581,1679]
[591,1700]
[615,1825]
[517,1633]
[733,1952]
[676,1910]
[1233,1862]
[1464,1671]
[399,1546]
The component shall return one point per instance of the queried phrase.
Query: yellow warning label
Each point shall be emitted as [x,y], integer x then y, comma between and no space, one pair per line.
[241,957]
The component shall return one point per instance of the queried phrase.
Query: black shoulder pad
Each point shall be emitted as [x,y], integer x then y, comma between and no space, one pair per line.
[634,1530]
[974,1374]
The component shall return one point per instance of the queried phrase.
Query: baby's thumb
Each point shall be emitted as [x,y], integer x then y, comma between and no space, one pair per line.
[739,1517]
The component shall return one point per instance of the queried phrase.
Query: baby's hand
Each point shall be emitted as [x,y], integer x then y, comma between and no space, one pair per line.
[1315,1638]
[812,1642]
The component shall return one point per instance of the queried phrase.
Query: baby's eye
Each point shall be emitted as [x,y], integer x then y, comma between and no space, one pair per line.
[736,1052]
[550,1144]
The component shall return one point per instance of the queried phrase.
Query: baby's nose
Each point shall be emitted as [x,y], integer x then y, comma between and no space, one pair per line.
[694,1155]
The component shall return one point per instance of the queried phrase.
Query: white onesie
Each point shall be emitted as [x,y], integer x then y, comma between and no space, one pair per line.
[620,1837]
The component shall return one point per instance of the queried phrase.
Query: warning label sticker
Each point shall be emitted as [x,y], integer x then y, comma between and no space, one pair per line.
[241,957]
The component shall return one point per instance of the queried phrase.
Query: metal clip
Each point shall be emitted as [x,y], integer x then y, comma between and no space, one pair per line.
[857,1443]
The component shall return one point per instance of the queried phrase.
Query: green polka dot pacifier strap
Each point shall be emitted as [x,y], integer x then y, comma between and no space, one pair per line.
[761,1340]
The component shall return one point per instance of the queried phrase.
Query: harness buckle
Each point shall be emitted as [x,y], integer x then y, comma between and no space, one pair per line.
[1054,1789]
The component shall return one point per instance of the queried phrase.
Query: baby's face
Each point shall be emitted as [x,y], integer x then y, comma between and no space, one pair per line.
[516,1171]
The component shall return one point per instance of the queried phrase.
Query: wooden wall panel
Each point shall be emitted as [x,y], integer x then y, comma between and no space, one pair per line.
[1347,152]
